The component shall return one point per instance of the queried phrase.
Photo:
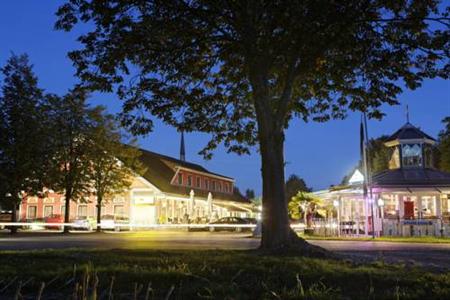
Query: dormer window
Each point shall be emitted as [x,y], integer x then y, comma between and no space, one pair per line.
[411,155]
[180,179]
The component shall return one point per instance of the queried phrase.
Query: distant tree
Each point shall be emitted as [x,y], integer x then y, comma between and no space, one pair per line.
[249,194]
[444,146]
[295,184]
[22,136]
[242,70]
[113,163]
[70,173]
[378,154]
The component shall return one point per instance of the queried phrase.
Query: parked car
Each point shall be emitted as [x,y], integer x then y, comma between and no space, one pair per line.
[84,223]
[112,222]
[251,220]
[230,221]
[54,219]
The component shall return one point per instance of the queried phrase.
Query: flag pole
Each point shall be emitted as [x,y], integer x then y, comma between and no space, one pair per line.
[368,178]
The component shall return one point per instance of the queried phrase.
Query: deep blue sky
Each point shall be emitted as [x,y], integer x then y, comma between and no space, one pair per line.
[320,153]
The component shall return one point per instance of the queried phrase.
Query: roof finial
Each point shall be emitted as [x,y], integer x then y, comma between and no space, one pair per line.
[182,150]
[407,113]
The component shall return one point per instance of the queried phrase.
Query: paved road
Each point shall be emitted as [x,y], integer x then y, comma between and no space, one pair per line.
[430,255]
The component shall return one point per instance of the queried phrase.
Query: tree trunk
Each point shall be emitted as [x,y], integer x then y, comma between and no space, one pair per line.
[277,235]
[13,229]
[68,197]
[99,213]
[275,227]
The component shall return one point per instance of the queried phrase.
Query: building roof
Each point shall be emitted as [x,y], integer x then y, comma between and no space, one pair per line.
[414,177]
[160,170]
[409,132]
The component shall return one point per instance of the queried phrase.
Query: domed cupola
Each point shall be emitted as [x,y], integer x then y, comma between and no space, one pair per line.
[412,148]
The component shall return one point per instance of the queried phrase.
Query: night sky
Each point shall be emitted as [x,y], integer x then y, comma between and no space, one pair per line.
[321,153]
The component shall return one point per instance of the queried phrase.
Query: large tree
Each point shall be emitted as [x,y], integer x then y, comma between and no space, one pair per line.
[22,136]
[444,146]
[241,70]
[112,163]
[70,172]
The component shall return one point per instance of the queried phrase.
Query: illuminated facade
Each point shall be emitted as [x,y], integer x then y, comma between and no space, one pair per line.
[171,191]
[411,198]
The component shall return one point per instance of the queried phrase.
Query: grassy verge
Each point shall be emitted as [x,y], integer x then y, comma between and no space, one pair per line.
[139,274]
[425,239]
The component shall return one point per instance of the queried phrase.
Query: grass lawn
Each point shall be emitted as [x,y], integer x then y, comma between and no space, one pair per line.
[143,274]
[424,239]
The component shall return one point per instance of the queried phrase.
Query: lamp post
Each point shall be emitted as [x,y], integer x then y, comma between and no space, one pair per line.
[336,205]
[380,206]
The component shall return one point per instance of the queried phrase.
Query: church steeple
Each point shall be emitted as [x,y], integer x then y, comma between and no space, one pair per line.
[182,149]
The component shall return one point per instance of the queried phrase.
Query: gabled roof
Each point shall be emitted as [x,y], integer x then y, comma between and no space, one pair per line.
[409,132]
[414,177]
[160,169]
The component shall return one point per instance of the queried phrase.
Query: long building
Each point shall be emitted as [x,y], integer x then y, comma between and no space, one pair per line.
[171,191]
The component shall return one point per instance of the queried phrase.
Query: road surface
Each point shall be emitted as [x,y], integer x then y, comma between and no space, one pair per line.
[434,256]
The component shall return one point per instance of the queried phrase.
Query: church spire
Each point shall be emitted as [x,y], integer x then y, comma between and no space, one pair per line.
[182,149]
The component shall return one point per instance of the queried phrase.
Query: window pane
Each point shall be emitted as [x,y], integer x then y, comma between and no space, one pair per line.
[412,155]
[82,211]
[119,210]
[32,212]
[48,211]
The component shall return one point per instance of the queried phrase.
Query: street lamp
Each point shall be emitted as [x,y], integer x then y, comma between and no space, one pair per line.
[380,206]
[336,205]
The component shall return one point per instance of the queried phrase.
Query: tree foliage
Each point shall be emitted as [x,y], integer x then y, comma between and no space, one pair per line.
[70,172]
[112,163]
[250,194]
[22,137]
[241,70]
[294,185]
[444,146]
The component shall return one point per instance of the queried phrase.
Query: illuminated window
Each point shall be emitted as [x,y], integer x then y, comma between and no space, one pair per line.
[48,211]
[32,210]
[412,155]
[180,179]
[119,210]
[82,210]
[189,181]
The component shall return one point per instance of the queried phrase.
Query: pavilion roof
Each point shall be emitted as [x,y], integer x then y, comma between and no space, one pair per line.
[409,132]
[411,177]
